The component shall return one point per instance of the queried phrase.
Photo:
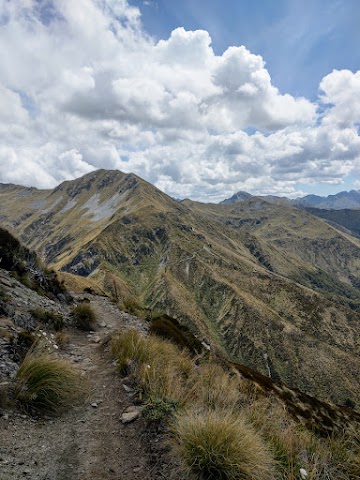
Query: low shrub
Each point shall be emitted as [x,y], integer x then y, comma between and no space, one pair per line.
[166,327]
[156,410]
[218,446]
[51,319]
[45,383]
[84,317]
[61,339]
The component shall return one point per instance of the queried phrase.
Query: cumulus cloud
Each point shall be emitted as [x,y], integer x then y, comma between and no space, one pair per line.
[82,86]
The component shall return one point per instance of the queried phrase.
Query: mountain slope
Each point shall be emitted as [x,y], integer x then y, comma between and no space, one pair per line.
[346,219]
[270,285]
[339,201]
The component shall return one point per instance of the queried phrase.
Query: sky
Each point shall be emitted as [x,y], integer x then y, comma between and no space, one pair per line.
[202,98]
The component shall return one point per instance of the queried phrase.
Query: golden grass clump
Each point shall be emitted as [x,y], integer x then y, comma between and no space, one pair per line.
[129,347]
[84,317]
[61,339]
[296,448]
[224,427]
[168,368]
[160,368]
[212,388]
[218,446]
[45,383]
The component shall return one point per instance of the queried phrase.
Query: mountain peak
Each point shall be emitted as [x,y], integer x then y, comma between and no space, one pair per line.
[237,197]
[96,179]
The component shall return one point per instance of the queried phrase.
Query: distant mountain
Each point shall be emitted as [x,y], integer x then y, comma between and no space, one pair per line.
[237,197]
[339,201]
[271,286]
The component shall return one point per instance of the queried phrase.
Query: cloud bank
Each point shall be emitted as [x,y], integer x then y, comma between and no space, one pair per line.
[82,86]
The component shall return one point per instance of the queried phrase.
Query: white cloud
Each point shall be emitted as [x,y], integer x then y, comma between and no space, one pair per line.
[341,90]
[82,86]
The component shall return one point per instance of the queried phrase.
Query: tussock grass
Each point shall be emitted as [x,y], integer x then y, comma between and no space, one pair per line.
[341,457]
[45,383]
[129,347]
[160,368]
[167,370]
[294,447]
[134,307]
[212,388]
[218,446]
[84,317]
[223,426]
[61,339]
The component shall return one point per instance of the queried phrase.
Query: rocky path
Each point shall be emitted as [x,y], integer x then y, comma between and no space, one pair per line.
[89,442]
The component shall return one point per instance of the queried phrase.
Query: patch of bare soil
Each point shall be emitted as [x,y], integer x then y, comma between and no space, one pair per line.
[89,442]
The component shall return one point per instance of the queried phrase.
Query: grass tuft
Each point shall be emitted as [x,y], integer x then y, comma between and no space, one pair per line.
[225,428]
[219,446]
[161,370]
[84,317]
[212,388]
[47,384]
[129,347]
[51,319]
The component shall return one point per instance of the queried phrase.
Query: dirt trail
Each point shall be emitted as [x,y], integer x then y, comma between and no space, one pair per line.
[89,442]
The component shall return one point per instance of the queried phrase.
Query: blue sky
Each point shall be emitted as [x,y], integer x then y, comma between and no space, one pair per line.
[301,41]
[202,98]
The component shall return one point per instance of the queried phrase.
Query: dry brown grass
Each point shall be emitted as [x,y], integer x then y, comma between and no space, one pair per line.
[159,367]
[84,317]
[129,347]
[218,446]
[210,387]
[294,447]
[61,339]
[214,411]
[46,383]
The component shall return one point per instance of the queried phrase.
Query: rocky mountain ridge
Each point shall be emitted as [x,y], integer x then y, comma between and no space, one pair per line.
[338,201]
[273,287]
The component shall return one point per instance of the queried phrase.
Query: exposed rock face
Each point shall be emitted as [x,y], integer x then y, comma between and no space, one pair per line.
[17,322]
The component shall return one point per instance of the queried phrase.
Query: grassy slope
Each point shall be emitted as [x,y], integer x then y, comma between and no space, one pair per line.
[349,219]
[255,279]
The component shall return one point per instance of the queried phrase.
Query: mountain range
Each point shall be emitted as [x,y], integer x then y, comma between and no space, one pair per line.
[266,283]
[339,201]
